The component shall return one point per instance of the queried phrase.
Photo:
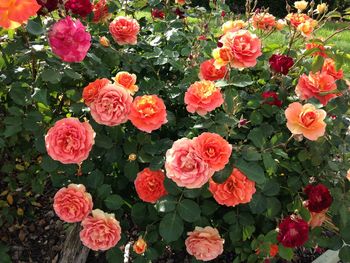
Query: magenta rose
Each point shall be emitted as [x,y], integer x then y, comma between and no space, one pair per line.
[281,63]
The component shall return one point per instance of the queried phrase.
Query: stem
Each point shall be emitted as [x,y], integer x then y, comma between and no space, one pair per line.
[291,42]
[336,32]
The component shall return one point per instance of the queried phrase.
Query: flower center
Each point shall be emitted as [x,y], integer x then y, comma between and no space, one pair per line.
[147,106]
[308,118]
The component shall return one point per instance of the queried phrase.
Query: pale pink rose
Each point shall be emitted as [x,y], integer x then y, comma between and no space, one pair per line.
[112,105]
[72,203]
[69,40]
[204,243]
[69,141]
[124,30]
[101,231]
[185,166]
[317,219]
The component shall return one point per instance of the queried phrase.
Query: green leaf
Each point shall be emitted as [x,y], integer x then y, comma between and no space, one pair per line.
[115,255]
[317,64]
[48,164]
[35,28]
[247,232]
[258,203]
[166,204]
[344,254]
[242,81]
[131,169]
[114,202]
[222,175]
[40,95]
[271,188]
[251,154]
[257,137]
[95,179]
[252,170]
[51,75]
[171,227]
[269,163]
[285,252]
[103,141]
[189,210]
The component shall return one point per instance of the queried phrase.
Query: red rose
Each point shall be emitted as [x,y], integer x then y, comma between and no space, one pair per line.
[223,13]
[179,13]
[156,13]
[79,7]
[281,63]
[271,98]
[293,232]
[319,197]
[209,72]
[47,6]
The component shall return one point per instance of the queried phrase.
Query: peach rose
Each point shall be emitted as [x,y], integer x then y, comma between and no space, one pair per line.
[330,68]
[233,26]
[317,219]
[263,21]
[148,113]
[213,149]
[203,97]
[69,141]
[90,91]
[112,105]
[209,72]
[306,120]
[101,231]
[140,246]
[307,27]
[237,189]
[280,24]
[185,166]
[72,203]
[104,41]
[317,85]
[127,80]
[124,30]
[241,49]
[296,19]
[222,57]
[204,243]
[150,185]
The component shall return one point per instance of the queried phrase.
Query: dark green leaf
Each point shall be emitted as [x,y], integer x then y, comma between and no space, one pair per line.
[189,210]
[171,227]
[114,202]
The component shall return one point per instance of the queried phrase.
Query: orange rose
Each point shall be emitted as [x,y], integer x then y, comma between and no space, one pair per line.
[263,21]
[280,24]
[319,46]
[90,92]
[330,68]
[318,85]
[180,2]
[140,246]
[233,26]
[209,72]
[127,80]
[307,27]
[273,250]
[306,120]
[296,19]
[222,57]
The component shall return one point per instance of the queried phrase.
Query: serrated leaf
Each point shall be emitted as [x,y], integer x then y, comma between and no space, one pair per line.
[171,227]
[114,202]
[189,210]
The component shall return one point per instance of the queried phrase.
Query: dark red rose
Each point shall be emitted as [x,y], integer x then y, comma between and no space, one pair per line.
[319,198]
[271,98]
[47,6]
[156,13]
[179,13]
[281,63]
[79,7]
[293,232]
[223,13]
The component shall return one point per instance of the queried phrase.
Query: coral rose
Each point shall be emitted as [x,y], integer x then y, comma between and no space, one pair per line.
[293,232]
[124,30]
[263,21]
[209,72]
[317,219]
[72,203]
[101,231]
[69,141]
[14,13]
[241,49]
[321,48]
[203,97]
[100,10]
[233,26]
[306,120]
[296,19]
[79,7]
[281,63]
[111,106]
[237,189]
[150,185]
[213,149]
[330,68]
[148,113]
[317,85]
[185,166]
[140,246]
[204,243]
[127,80]
[90,91]
[319,197]
[69,40]
[271,98]
[180,2]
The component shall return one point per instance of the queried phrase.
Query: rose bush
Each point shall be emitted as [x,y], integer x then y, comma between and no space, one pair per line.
[182,126]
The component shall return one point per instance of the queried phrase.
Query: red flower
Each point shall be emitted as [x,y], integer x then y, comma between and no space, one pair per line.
[209,72]
[47,6]
[79,7]
[179,13]
[271,98]
[281,63]
[100,10]
[293,232]
[156,13]
[223,13]
[319,197]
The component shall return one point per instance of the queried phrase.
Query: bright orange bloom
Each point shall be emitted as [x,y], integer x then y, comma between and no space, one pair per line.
[127,80]
[13,13]
[140,246]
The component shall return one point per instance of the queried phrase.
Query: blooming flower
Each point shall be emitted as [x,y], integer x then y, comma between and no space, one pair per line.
[271,98]
[317,219]
[15,13]
[306,120]
[79,7]
[300,5]
[140,246]
[280,24]
[281,63]
[307,27]
[100,10]
[319,197]
[293,232]
[203,97]
[180,2]
[204,243]
[111,106]
[156,13]
[317,85]
[124,30]
[69,40]
[263,21]
[237,189]
[296,19]
[72,203]
[69,141]
[150,185]
[321,8]
[90,92]
[127,80]
[330,68]
[101,231]
[321,48]
[185,166]
[233,26]
[209,72]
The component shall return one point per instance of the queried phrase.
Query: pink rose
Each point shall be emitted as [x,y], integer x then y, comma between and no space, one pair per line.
[101,231]
[111,106]
[72,203]
[124,30]
[69,40]
[204,243]
[69,141]
[185,166]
